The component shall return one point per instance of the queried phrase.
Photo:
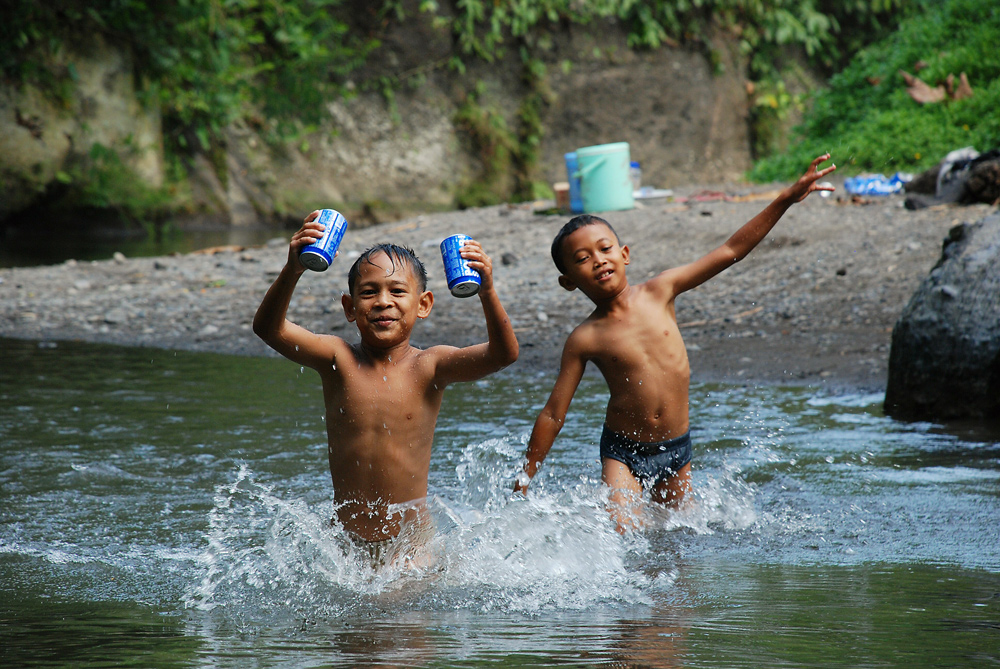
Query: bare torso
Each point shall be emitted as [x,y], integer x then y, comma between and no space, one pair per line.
[379,441]
[638,348]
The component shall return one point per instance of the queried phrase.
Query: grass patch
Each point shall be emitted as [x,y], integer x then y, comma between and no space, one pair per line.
[868,122]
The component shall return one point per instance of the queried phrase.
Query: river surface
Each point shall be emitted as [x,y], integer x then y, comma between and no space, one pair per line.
[22,247]
[171,509]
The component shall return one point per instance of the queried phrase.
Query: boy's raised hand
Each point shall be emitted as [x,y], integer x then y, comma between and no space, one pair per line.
[807,183]
[479,261]
[306,235]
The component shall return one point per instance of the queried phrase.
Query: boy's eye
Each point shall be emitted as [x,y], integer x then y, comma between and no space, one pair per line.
[580,259]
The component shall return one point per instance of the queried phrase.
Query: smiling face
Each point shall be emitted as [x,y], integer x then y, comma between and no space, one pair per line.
[386,302]
[595,262]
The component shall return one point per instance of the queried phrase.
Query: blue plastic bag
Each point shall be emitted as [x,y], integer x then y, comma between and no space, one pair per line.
[876,184]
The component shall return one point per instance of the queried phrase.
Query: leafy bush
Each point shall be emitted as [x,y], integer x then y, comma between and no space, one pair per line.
[867,120]
[100,180]
[205,63]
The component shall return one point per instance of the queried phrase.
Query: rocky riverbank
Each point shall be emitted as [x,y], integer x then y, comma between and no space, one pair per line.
[815,303]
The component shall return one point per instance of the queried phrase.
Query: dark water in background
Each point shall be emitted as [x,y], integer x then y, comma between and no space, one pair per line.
[170,509]
[27,248]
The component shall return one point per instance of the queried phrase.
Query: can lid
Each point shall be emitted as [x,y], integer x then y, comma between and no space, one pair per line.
[466,288]
[314,259]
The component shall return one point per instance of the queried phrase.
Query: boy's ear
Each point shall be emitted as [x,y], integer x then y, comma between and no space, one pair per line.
[348,303]
[424,304]
[566,282]
[625,253]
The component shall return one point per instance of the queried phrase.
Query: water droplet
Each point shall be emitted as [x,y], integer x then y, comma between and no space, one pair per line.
[334,367]
[384,378]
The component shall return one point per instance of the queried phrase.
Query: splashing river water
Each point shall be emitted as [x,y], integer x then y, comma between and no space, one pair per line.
[176,506]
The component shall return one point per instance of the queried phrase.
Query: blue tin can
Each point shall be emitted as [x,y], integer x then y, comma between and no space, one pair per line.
[463,281]
[319,255]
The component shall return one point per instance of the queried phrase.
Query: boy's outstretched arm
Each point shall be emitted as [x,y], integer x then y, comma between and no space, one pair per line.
[747,237]
[501,348]
[550,420]
[270,322]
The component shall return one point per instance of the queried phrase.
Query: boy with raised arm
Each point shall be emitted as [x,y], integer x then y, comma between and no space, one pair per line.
[383,395]
[633,338]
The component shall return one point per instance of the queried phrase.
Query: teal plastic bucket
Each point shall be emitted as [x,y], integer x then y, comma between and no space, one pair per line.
[605,180]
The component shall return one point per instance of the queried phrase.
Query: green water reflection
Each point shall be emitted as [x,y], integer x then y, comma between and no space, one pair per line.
[25,248]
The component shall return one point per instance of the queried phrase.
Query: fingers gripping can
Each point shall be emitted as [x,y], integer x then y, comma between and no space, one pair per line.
[463,281]
[319,255]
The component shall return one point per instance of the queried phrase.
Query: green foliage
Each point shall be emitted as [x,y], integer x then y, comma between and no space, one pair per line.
[824,30]
[772,105]
[205,63]
[101,180]
[494,143]
[276,63]
[867,120]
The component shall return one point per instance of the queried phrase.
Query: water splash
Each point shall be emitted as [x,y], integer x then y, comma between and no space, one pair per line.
[268,558]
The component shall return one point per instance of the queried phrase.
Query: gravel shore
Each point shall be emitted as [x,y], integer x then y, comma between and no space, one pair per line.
[814,304]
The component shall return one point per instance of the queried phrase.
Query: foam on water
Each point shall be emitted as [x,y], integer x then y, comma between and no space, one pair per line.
[556,549]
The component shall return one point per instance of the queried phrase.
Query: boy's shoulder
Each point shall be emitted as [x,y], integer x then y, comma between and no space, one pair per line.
[589,333]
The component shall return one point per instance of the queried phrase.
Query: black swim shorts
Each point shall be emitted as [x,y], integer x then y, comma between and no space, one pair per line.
[651,463]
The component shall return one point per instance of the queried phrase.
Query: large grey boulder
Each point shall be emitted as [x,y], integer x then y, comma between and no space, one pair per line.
[945,357]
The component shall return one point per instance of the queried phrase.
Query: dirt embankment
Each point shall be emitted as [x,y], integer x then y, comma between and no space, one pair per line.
[813,304]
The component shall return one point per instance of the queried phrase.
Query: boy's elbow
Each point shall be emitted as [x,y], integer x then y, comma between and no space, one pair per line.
[503,353]
[504,359]
[259,329]
[511,354]
[264,330]
[733,254]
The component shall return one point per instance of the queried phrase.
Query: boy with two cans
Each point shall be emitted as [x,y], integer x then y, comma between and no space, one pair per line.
[382,396]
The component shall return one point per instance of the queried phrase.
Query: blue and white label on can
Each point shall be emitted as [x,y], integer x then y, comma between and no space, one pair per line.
[463,281]
[319,255]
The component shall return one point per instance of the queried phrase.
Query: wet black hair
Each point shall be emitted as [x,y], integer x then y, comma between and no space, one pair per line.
[569,228]
[398,255]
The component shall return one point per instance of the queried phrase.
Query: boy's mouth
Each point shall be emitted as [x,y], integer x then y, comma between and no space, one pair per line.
[606,274]
[383,321]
